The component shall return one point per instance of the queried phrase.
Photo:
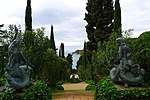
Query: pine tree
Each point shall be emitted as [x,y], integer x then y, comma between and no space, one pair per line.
[28,16]
[52,41]
[117,18]
[100,21]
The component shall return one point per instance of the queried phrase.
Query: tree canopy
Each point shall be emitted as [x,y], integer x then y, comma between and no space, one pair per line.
[99,16]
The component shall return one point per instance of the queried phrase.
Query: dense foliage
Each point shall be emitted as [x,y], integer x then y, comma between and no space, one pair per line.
[48,66]
[99,17]
[90,87]
[105,90]
[141,52]
[101,60]
[39,91]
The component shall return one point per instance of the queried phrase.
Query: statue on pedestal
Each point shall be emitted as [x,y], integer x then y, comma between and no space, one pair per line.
[18,69]
[125,71]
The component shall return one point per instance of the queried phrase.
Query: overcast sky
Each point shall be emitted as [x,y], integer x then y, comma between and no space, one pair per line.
[67,18]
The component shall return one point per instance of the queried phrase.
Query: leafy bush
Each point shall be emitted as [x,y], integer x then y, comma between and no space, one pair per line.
[90,87]
[2,81]
[141,52]
[103,57]
[57,88]
[106,91]
[48,66]
[60,82]
[39,91]
[74,80]
[10,95]
[91,82]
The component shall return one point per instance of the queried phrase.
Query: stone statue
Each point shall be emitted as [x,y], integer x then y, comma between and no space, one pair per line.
[124,69]
[18,69]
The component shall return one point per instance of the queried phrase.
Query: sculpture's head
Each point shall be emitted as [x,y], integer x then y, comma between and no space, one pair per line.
[119,41]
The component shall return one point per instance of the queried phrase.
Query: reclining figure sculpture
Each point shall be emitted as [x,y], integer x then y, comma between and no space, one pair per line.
[126,71]
[18,69]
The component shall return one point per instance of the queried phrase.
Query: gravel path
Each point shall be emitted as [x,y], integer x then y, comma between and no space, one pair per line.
[74,91]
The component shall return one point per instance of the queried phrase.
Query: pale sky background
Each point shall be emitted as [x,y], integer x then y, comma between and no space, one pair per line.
[67,18]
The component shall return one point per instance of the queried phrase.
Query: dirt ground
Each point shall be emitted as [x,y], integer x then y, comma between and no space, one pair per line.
[74,91]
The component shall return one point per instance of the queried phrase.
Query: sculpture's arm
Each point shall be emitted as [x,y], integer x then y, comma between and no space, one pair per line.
[15,36]
[117,61]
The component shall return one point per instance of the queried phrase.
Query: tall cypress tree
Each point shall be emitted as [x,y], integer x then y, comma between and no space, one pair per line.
[61,50]
[117,18]
[52,41]
[28,16]
[99,18]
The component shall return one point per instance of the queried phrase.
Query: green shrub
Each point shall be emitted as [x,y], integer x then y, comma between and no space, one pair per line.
[74,80]
[10,95]
[90,87]
[91,82]
[57,88]
[60,82]
[39,91]
[2,81]
[106,91]
[48,66]
[141,52]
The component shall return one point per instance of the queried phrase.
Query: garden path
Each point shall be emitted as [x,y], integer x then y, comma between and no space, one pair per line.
[74,91]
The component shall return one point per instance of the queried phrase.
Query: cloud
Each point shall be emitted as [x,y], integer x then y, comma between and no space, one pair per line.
[135,15]
[67,17]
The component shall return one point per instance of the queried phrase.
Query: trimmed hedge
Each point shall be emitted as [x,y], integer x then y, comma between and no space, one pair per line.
[106,91]
[74,80]
[90,87]
[90,82]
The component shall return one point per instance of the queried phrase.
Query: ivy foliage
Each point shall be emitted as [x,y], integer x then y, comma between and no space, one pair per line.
[106,91]
[90,87]
[39,91]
